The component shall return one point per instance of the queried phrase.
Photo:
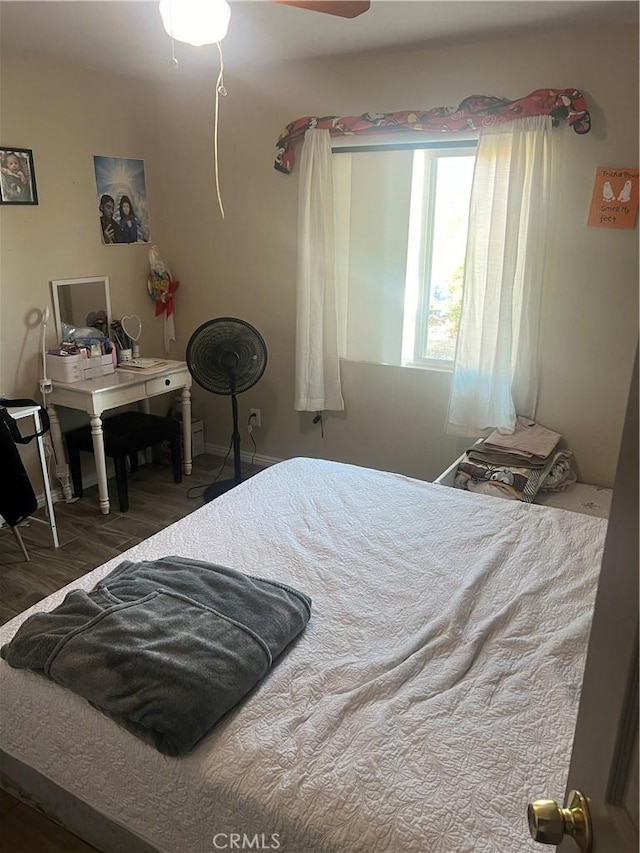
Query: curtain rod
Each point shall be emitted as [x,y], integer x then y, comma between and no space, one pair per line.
[399,146]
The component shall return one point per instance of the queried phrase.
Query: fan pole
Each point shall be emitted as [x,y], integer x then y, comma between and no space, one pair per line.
[236,439]
[225,356]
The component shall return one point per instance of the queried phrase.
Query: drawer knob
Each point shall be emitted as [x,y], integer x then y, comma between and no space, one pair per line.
[167,382]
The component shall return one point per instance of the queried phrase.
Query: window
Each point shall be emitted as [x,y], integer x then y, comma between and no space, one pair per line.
[400,237]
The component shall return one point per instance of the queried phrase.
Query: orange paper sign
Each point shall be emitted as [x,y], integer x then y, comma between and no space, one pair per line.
[614,203]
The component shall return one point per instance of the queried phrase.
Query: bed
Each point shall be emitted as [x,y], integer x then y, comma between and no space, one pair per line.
[433,693]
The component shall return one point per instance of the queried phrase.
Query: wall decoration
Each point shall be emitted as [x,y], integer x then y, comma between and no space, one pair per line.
[122,200]
[614,203]
[17,176]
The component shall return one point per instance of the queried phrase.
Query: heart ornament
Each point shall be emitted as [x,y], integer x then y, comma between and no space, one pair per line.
[132,326]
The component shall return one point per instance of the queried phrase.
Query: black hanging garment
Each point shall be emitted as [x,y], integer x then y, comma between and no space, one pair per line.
[17,498]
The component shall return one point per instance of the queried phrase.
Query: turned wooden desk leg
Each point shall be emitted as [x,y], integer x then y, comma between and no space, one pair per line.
[62,468]
[186,429]
[101,464]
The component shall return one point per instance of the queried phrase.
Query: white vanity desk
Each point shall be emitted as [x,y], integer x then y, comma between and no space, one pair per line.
[121,388]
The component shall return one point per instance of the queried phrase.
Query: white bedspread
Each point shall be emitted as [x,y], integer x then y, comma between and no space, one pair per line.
[433,694]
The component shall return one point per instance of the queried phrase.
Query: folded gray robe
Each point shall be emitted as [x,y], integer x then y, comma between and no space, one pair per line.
[164,647]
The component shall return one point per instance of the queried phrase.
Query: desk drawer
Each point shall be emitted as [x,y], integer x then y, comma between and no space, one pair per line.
[110,398]
[161,384]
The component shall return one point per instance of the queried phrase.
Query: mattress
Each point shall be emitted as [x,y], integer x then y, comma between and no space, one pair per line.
[432,695]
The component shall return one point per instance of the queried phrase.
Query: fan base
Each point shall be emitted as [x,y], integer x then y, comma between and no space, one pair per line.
[217,489]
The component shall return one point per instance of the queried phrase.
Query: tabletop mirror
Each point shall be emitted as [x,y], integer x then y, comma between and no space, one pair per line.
[82,303]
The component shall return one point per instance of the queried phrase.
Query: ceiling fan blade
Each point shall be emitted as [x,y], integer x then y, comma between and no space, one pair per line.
[342,8]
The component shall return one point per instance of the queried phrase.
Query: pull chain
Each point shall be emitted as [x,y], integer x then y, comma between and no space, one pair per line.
[220,92]
[174,61]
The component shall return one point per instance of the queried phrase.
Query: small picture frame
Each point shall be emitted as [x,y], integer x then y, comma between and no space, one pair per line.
[17,176]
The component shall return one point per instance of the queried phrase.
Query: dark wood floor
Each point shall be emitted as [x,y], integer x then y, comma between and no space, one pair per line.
[87,539]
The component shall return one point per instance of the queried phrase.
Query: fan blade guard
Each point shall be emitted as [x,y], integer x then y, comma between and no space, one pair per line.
[226,355]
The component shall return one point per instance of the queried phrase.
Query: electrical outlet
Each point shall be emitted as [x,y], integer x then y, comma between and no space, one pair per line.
[254,417]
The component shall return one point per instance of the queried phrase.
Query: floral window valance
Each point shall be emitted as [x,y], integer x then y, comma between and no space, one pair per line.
[474,113]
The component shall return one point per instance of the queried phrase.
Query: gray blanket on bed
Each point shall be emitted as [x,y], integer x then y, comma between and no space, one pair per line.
[164,647]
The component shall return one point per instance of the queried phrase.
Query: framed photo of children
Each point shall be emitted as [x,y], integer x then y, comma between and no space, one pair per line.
[121,200]
[17,176]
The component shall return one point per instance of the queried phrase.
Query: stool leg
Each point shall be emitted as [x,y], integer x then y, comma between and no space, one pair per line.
[133,462]
[120,464]
[75,469]
[176,458]
[18,538]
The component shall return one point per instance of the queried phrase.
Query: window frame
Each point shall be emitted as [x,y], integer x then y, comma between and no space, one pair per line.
[428,201]
[463,145]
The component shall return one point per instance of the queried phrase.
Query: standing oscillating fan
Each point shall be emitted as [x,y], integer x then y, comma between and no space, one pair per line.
[227,356]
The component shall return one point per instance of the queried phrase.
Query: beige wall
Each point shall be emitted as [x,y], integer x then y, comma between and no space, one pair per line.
[244,265]
[66,115]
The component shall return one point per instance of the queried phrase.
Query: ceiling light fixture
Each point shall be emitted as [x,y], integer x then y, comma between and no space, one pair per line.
[196,22]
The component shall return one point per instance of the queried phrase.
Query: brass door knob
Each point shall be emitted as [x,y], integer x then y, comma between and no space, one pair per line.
[548,823]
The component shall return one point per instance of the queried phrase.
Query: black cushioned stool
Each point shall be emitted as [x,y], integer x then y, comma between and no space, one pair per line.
[124,435]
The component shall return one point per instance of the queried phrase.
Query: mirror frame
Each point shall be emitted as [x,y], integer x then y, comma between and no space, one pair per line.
[57,284]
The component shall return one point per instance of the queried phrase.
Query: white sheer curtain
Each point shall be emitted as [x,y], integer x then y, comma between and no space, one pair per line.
[317,364]
[496,364]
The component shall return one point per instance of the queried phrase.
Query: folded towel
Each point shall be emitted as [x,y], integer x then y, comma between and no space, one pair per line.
[478,453]
[515,482]
[561,474]
[166,647]
[528,439]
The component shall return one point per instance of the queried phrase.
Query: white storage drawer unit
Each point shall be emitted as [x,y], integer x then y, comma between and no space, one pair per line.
[76,368]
